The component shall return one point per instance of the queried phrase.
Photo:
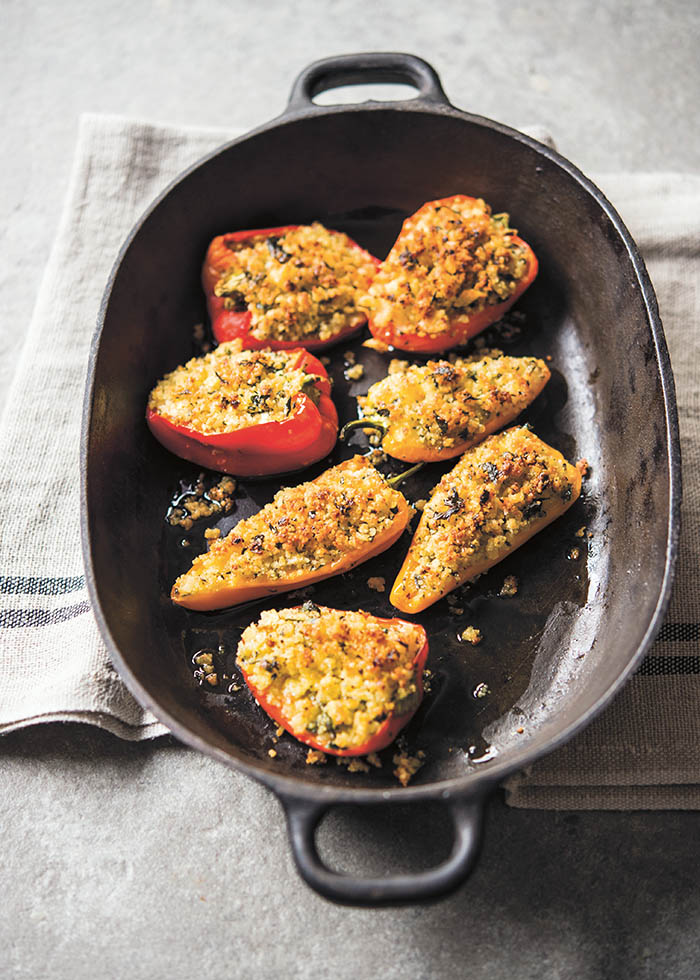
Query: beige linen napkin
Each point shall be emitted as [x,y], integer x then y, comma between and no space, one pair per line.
[642,752]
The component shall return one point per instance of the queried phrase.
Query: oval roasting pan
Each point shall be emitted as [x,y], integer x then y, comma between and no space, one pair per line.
[553,654]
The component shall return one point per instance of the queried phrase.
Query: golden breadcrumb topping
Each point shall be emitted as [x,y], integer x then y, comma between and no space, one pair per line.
[443,403]
[450,260]
[302,530]
[302,283]
[231,389]
[332,674]
[497,495]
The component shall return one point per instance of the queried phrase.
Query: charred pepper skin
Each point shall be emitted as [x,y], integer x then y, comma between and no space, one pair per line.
[459,328]
[230,324]
[271,448]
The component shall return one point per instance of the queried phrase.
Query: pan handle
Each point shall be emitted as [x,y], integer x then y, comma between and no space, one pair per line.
[303,817]
[359,69]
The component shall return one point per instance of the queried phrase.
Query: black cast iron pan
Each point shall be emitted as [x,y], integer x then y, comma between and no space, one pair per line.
[553,654]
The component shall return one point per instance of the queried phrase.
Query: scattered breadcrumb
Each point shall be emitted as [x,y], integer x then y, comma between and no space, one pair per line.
[374,344]
[482,690]
[354,373]
[471,635]
[212,532]
[520,730]
[374,760]
[325,360]
[581,531]
[574,554]
[195,502]
[205,670]
[272,753]
[357,765]
[233,688]
[407,766]
[352,763]
[420,504]
[316,758]
[279,731]
[583,467]
[510,586]
[377,583]
[349,357]
[397,366]
[377,456]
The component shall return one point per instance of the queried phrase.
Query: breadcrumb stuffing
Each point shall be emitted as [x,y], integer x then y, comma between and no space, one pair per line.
[498,495]
[305,530]
[231,389]
[449,260]
[428,410]
[305,282]
[332,677]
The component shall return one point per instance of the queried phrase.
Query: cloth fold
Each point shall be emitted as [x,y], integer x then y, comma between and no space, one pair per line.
[642,752]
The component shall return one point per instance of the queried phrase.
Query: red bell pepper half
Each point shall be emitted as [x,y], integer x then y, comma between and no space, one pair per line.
[405,258]
[235,323]
[268,667]
[305,436]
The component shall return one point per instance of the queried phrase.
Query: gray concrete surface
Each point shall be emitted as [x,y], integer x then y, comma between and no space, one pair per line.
[151,861]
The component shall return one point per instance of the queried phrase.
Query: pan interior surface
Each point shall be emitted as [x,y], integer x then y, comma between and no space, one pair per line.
[585,599]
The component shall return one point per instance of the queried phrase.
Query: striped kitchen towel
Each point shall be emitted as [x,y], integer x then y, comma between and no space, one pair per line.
[53,664]
[641,752]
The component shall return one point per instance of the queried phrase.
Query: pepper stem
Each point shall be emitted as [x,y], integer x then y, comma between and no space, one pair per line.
[362,424]
[394,481]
